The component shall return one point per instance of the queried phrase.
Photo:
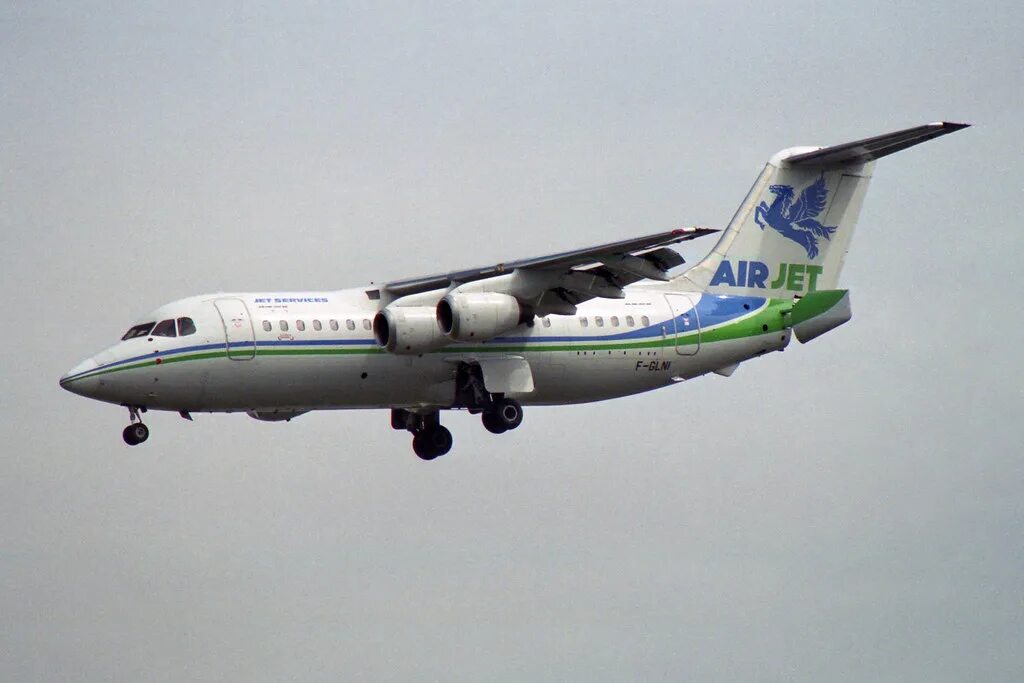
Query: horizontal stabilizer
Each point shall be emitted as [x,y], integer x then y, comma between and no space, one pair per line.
[869,149]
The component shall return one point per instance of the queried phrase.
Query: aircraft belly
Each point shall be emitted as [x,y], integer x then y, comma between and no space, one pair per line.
[376,380]
[162,387]
[724,353]
[331,381]
[571,378]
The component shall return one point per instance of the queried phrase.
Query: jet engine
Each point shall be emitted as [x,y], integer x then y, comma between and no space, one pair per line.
[479,316]
[407,329]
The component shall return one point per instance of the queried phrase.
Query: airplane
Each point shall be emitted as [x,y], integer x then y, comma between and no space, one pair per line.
[574,327]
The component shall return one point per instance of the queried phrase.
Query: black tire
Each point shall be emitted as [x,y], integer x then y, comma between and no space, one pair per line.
[421,447]
[493,424]
[134,434]
[432,443]
[509,412]
[440,440]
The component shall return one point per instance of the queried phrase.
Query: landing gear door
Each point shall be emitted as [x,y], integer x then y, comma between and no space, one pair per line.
[686,321]
[238,333]
[508,375]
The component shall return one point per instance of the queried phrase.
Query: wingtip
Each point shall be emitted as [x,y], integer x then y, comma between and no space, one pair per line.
[952,125]
[690,229]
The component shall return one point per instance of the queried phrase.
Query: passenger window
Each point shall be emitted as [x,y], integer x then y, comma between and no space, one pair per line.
[164,328]
[645,321]
[583,321]
[599,321]
[300,326]
[545,321]
[317,326]
[283,325]
[334,325]
[614,321]
[350,324]
[138,331]
[267,326]
[366,324]
[629,321]
[186,327]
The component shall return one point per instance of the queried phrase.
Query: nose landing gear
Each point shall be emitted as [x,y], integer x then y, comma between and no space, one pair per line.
[136,432]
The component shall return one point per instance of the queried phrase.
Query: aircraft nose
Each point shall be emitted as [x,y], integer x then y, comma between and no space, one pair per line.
[74,380]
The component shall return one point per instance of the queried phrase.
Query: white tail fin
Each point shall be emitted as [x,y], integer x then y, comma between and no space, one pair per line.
[793,229]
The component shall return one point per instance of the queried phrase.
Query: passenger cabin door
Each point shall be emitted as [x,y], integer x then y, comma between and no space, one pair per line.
[687,324]
[238,333]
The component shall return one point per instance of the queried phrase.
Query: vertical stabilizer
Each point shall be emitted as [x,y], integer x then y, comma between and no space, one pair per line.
[791,234]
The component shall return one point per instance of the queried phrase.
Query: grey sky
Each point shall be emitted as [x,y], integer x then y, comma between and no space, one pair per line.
[846,510]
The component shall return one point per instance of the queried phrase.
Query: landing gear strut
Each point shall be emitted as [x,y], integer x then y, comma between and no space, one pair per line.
[136,432]
[429,439]
[498,414]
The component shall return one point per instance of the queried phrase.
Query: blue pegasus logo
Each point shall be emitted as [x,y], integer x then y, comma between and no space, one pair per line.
[796,221]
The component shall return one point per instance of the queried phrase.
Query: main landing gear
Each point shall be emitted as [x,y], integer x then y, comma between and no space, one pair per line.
[498,414]
[136,432]
[432,440]
[429,438]
[503,415]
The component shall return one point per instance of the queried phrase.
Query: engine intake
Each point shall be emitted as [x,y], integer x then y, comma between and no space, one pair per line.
[479,316]
[407,329]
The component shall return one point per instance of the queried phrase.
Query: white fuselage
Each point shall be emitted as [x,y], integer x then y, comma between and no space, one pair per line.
[286,353]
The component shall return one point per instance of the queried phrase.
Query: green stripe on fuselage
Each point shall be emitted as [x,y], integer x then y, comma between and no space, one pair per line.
[768,319]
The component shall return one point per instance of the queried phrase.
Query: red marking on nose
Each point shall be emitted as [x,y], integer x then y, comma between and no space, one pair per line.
[159,361]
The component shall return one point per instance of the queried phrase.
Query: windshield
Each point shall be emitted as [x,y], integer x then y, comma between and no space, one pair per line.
[138,331]
[164,328]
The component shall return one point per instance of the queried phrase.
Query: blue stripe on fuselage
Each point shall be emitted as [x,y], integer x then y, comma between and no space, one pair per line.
[711,310]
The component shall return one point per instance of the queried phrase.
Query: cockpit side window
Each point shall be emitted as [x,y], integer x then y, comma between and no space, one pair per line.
[164,328]
[138,331]
[186,327]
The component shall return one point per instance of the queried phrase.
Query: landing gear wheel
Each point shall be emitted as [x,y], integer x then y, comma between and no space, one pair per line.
[134,434]
[493,424]
[432,442]
[421,448]
[505,414]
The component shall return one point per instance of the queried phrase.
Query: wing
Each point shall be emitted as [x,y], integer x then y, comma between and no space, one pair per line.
[811,202]
[559,281]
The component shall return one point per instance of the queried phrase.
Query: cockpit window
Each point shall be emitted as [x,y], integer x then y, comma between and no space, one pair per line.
[186,327]
[138,331]
[164,328]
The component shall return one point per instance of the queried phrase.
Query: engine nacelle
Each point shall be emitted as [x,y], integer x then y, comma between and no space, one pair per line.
[479,316]
[408,329]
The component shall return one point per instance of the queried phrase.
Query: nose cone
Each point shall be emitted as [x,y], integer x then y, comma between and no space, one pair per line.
[77,379]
